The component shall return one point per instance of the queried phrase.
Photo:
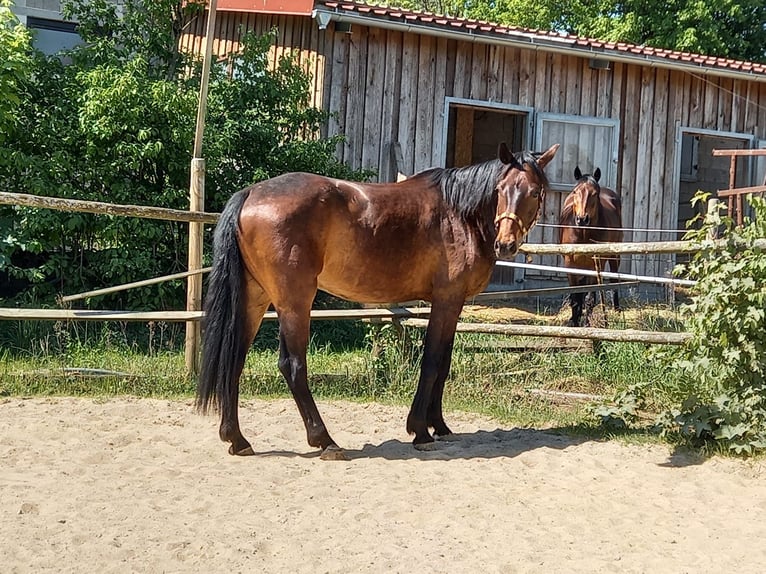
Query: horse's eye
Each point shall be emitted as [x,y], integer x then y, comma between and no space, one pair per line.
[536,194]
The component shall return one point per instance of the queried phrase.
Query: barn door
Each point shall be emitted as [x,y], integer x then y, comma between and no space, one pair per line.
[586,142]
[474,129]
[699,170]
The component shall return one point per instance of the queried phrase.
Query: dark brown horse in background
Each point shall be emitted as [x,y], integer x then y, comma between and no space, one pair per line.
[434,236]
[591,214]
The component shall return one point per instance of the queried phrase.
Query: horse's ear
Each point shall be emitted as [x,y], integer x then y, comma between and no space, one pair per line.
[547,156]
[597,174]
[504,154]
[577,173]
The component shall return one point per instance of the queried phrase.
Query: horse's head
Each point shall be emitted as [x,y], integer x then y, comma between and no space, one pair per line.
[520,194]
[585,197]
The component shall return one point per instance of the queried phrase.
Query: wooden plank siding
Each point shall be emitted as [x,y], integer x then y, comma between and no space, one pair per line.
[386,87]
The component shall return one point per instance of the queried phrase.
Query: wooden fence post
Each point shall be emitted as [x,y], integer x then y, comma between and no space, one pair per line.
[197,203]
[194,282]
[712,207]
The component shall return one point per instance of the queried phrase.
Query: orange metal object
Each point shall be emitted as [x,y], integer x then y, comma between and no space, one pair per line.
[298,7]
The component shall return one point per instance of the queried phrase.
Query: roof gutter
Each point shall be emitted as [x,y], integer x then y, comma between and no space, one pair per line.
[324,16]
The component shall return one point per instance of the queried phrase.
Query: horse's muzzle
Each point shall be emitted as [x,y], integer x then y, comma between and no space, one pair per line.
[506,250]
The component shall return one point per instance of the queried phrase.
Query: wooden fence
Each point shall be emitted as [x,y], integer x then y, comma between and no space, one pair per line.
[406,315]
[735,194]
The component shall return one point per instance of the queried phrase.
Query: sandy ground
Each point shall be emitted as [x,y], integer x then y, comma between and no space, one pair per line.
[136,485]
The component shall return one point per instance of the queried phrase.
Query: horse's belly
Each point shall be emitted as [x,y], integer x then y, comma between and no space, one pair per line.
[579,261]
[375,283]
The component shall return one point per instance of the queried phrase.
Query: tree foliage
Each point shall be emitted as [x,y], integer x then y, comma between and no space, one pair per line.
[14,64]
[725,28]
[113,120]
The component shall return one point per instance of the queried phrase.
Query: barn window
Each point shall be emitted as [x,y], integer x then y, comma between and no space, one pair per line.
[586,142]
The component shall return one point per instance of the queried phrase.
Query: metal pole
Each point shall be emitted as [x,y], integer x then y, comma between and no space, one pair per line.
[606,274]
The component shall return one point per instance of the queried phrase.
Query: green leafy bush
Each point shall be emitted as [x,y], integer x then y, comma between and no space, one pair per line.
[721,395]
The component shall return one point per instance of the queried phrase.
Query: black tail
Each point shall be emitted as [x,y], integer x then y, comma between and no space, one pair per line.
[223,324]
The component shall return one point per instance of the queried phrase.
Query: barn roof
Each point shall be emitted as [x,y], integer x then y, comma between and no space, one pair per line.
[478,31]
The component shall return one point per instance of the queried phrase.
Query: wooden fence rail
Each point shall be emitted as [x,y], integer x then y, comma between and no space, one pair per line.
[7,313]
[620,335]
[99,207]
[133,285]
[407,316]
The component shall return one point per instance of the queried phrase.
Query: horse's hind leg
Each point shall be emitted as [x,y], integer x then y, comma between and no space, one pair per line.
[229,431]
[614,267]
[435,415]
[576,302]
[294,322]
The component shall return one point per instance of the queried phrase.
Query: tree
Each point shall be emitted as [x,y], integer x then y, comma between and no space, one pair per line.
[14,48]
[724,28]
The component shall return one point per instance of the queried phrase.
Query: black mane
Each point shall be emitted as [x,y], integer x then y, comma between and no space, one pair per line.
[470,189]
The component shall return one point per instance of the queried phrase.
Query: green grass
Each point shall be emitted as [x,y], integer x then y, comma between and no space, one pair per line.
[517,387]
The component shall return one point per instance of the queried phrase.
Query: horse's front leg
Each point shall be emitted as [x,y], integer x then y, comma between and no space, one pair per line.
[437,350]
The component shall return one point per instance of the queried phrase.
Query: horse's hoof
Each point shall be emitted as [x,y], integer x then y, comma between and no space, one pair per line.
[333,452]
[449,437]
[425,446]
[247,451]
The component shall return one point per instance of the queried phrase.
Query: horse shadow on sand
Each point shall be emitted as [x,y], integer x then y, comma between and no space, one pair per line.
[506,443]
[498,443]
[485,444]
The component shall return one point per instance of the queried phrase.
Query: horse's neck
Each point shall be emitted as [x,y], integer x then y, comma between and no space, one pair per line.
[596,221]
[587,235]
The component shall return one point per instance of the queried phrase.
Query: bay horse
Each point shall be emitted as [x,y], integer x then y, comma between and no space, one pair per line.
[434,236]
[591,214]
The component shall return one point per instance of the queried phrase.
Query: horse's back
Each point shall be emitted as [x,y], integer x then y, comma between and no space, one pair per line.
[355,240]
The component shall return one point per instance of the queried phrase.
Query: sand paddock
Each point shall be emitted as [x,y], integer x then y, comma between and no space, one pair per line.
[137,485]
